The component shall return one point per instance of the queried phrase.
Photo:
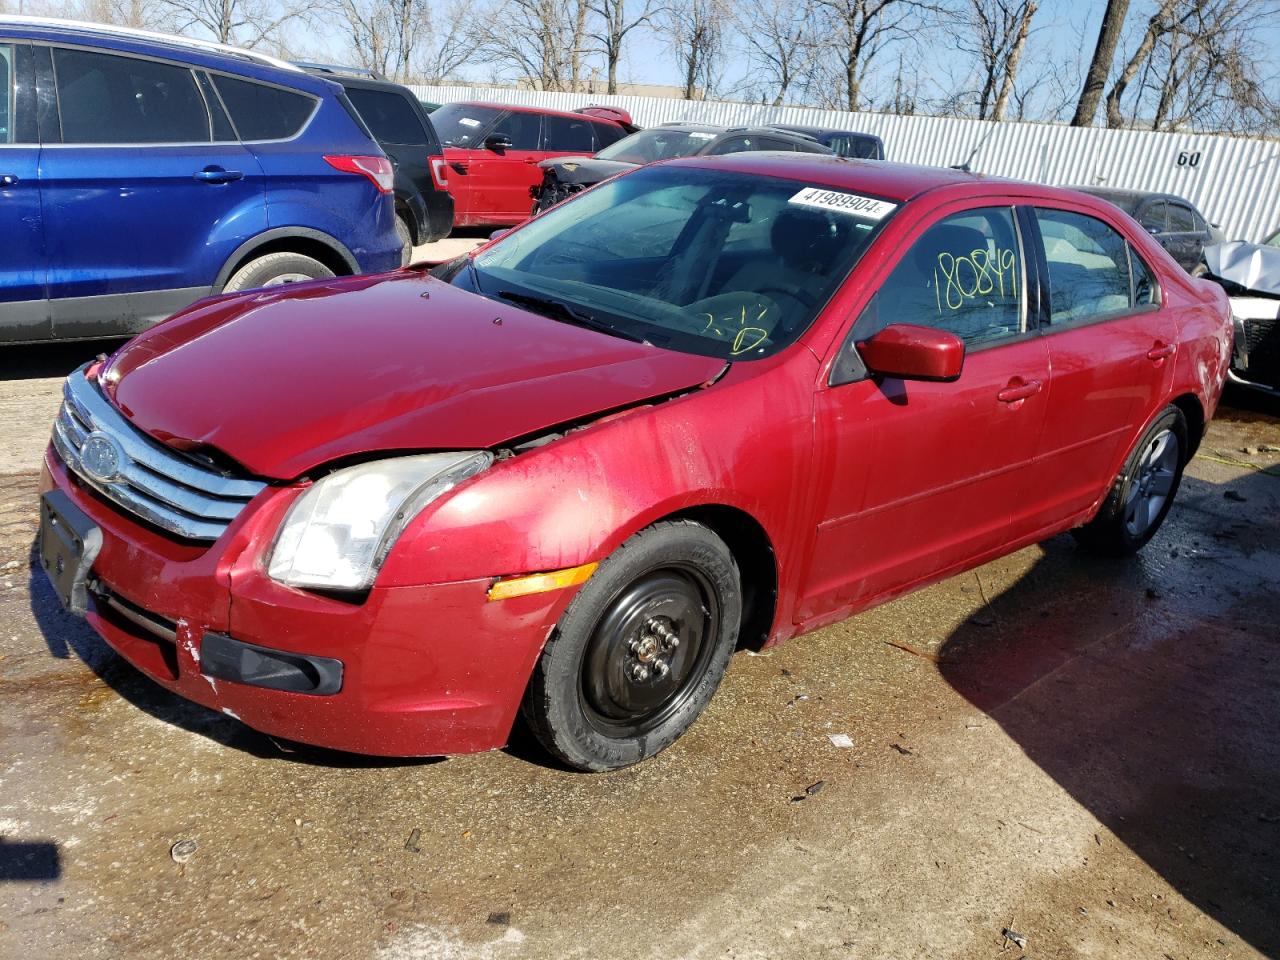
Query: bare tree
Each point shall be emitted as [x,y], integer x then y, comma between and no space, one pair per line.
[855,32]
[614,24]
[402,39]
[997,37]
[696,29]
[780,40]
[246,23]
[1104,54]
[138,14]
[1159,24]
[540,41]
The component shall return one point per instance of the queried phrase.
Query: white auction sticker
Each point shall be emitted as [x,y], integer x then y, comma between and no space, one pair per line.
[851,203]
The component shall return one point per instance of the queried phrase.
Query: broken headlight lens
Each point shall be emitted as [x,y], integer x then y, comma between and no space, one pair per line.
[336,535]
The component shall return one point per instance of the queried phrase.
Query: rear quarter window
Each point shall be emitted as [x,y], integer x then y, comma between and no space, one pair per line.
[565,134]
[104,98]
[262,112]
[389,116]
[607,134]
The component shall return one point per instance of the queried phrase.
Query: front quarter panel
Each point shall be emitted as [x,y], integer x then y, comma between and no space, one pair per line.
[744,442]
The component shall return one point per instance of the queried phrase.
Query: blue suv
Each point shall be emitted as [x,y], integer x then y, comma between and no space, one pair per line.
[140,172]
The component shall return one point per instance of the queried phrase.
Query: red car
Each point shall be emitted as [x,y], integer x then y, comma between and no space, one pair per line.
[711,403]
[493,152]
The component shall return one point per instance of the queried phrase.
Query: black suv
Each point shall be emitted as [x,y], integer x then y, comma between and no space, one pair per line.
[564,176]
[402,127]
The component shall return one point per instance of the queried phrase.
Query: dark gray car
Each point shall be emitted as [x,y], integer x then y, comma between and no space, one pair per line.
[1175,222]
[564,176]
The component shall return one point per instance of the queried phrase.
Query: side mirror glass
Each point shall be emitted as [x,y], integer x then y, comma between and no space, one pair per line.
[498,141]
[905,351]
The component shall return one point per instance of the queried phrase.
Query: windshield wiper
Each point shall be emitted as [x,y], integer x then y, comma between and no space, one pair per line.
[560,310]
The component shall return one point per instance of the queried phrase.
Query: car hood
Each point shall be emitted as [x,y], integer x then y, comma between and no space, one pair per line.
[1250,266]
[284,380]
[585,169]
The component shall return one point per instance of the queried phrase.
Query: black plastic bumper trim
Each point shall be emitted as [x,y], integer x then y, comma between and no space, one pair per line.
[225,658]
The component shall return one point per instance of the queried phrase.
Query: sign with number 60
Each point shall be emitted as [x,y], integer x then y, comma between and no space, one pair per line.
[1186,159]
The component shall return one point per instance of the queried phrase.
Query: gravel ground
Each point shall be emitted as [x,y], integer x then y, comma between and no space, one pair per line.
[1082,752]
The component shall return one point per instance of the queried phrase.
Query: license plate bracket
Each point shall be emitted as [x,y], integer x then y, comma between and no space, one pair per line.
[69,544]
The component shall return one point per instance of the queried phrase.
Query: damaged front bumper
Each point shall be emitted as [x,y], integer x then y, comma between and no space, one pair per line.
[420,670]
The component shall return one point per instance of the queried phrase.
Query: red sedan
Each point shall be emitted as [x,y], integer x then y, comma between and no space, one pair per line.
[711,403]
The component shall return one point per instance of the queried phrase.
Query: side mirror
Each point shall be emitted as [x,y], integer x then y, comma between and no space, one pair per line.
[498,141]
[909,352]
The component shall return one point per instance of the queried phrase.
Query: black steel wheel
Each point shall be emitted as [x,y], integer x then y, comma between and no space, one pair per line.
[640,650]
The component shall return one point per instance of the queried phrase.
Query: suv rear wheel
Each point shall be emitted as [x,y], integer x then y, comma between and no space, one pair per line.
[406,239]
[273,269]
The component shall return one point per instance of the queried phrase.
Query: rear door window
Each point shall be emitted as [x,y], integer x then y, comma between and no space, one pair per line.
[1181,219]
[262,112]
[733,145]
[1089,269]
[389,116]
[105,98]
[565,134]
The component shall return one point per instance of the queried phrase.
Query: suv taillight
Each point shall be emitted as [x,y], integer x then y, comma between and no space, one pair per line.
[439,171]
[378,169]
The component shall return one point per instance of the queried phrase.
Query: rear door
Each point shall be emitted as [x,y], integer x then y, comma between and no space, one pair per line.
[1185,240]
[1112,348]
[145,192]
[24,307]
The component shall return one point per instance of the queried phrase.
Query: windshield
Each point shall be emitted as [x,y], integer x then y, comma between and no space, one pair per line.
[654,144]
[705,261]
[460,124]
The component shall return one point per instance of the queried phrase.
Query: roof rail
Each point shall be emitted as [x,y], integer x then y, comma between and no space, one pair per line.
[109,30]
[340,68]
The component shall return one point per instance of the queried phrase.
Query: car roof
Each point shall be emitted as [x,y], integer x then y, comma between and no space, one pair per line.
[816,132]
[898,182]
[1131,199]
[522,108]
[204,53]
[367,83]
[683,125]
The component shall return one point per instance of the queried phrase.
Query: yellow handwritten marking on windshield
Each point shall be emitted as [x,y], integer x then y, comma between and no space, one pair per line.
[748,338]
[980,273]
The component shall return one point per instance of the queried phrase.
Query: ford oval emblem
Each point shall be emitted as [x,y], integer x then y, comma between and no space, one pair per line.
[101,457]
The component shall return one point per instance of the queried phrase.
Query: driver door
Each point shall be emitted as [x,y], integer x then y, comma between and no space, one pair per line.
[920,478]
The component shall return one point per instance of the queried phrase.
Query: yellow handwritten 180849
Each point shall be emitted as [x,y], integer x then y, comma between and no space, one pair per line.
[979,273]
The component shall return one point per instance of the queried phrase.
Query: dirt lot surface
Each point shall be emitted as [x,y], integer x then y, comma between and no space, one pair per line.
[1082,752]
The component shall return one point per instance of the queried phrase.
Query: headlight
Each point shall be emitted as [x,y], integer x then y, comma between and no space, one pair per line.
[338,533]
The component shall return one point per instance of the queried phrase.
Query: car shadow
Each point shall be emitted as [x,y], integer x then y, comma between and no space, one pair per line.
[69,637]
[40,360]
[1149,689]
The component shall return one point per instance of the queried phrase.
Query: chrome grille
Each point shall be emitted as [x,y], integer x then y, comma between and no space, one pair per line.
[148,479]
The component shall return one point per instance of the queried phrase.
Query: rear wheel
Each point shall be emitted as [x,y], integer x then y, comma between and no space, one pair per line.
[274,269]
[1143,493]
[405,235]
[640,651]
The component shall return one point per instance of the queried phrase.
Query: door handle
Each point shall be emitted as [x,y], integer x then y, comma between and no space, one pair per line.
[218,175]
[1018,389]
[530,159]
[459,165]
[1160,351]
[8,179]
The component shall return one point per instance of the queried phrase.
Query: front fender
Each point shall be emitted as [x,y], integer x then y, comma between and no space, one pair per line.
[745,445]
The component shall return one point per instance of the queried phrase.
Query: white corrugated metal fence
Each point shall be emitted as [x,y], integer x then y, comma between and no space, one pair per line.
[1234,181]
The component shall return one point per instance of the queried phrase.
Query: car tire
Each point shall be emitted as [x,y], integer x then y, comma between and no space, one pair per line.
[274,269]
[1140,499]
[598,699]
[405,236]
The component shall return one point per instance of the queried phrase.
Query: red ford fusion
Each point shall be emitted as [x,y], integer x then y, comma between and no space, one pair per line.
[710,403]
